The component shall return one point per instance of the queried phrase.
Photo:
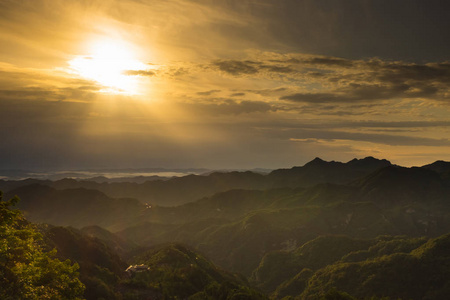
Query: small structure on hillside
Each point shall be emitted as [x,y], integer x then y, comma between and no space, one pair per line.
[133,269]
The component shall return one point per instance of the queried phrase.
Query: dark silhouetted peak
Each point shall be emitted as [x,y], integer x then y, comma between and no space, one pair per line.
[316,161]
[395,185]
[320,171]
[321,165]
[439,166]
[395,175]
[369,162]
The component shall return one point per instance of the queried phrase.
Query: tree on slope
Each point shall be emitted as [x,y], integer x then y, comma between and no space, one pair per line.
[26,270]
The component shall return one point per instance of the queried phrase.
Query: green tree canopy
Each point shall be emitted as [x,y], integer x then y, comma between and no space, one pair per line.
[26,270]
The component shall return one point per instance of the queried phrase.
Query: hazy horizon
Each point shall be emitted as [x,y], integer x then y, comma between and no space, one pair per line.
[127,173]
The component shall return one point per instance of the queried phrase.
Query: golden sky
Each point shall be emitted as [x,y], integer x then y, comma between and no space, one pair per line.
[222,84]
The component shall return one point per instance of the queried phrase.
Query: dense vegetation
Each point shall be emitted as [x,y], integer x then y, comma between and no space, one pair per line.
[176,272]
[327,230]
[31,267]
[26,270]
[422,273]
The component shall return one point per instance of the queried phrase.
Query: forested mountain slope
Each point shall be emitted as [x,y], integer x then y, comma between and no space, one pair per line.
[287,232]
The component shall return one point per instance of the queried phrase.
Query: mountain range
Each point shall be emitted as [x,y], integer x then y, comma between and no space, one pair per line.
[290,233]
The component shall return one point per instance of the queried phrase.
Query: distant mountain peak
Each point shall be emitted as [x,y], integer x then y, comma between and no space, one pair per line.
[315,161]
[369,160]
[439,166]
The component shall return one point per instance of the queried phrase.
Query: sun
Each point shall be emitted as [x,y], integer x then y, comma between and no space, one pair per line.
[107,63]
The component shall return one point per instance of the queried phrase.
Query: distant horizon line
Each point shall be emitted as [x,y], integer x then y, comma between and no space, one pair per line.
[163,172]
[193,169]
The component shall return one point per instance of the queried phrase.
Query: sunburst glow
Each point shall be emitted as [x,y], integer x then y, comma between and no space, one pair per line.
[107,63]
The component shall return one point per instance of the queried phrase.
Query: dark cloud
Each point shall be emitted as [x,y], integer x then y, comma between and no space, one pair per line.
[385,139]
[268,92]
[398,124]
[357,92]
[319,124]
[249,67]
[343,80]
[316,74]
[330,110]
[208,93]
[377,80]
[237,94]
[362,81]
[139,73]
[330,61]
[277,69]
[237,67]
[318,60]
[313,97]
[400,72]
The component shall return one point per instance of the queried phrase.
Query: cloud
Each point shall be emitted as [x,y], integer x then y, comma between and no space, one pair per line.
[269,92]
[432,76]
[331,61]
[249,67]
[208,93]
[277,69]
[82,93]
[319,60]
[139,73]
[236,67]
[339,80]
[314,97]
[375,80]
[173,72]
[357,92]
[332,110]
[320,124]
[385,139]
[44,85]
[229,107]
[396,124]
